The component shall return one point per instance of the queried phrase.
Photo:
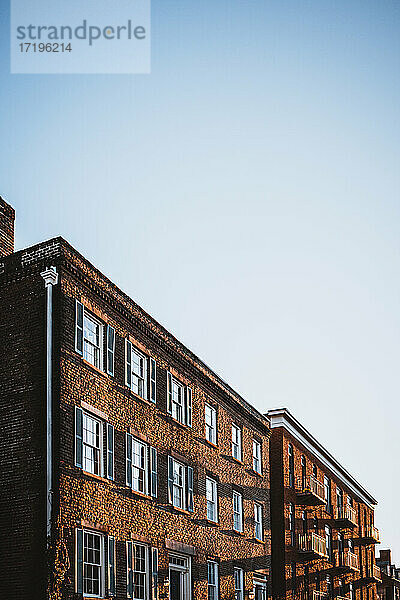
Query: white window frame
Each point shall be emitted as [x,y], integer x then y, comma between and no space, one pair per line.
[182,487]
[257,456]
[142,360]
[85,417]
[212,499]
[213,585]
[258,522]
[146,572]
[102,566]
[238,577]
[138,444]
[262,585]
[183,564]
[236,442]
[210,417]
[178,400]
[237,511]
[87,316]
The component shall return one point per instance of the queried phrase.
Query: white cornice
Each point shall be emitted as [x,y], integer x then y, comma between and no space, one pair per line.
[283,418]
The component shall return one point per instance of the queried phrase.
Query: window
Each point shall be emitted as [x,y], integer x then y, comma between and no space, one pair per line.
[212,577]
[136,370]
[211,424]
[239,583]
[257,456]
[292,524]
[180,485]
[89,453]
[303,473]
[339,500]
[179,404]
[141,466]
[137,570]
[90,565]
[258,524]
[237,511]
[293,576]
[304,522]
[328,538]
[212,499]
[88,336]
[236,442]
[327,494]
[260,588]
[291,466]
[340,549]
[315,471]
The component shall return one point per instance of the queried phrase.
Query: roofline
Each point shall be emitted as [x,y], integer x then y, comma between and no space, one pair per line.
[284,418]
[198,362]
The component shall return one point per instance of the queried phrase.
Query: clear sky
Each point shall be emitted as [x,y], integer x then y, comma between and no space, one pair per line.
[246,194]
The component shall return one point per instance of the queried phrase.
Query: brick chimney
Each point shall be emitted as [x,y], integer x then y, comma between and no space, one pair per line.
[7,217]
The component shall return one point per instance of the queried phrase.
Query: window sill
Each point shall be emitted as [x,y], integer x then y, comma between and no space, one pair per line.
[257,473]
[211,444]
[140,398]
[213,523]
[96,369]
[94,476]
[176,422]
[140,494]
[182,511]
[238,533]
[236,460]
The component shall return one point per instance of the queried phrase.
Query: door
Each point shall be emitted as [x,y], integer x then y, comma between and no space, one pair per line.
[175,585]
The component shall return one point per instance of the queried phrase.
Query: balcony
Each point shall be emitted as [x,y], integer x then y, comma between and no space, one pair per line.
[345,517]
[373,576]
[346,562]
[319,595]
[369,535]
[310,492]
[312,546]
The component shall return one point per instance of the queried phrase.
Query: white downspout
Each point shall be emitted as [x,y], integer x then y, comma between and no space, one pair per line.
[50,277]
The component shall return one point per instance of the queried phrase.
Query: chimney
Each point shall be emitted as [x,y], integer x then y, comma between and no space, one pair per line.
[7,217]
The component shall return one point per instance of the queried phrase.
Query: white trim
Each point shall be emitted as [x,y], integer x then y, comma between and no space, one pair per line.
[283,418]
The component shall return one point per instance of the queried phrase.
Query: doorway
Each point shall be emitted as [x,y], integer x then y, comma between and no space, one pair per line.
[180,587]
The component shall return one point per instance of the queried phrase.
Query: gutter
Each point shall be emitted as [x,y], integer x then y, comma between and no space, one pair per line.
[50,277]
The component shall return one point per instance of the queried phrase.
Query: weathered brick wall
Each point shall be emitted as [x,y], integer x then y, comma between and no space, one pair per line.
[7,217]
[281,439]
[22,436]
[113,506]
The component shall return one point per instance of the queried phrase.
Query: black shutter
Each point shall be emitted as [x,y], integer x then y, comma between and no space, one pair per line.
[128,364]
[169,393]
[79,561]
[153,377]
[78,436]
[154,573]
[111,566]
[153,472]
[129,552]
[188,406]
[110,349]
[79,327]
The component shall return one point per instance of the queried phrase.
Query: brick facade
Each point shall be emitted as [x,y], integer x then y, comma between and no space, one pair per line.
[300,515]
[95,503]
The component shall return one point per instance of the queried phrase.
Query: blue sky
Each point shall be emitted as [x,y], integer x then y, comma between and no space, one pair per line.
[246,193]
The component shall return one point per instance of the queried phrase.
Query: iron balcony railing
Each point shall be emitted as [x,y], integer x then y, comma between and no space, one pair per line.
[371,533]
[316,595]
[346,513]
[313,543]
[376,573]
[311,485]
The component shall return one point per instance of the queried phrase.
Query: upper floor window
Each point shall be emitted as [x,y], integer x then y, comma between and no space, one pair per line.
[258,521]
[141,466]
[88,336]
[180,484]
[327,494]
[212,578]
[257,456]
[140,373]
[211,423]
[239,583]
[315,471]
[179,404]
[292,524]
[303,473]
[237,501]
[328,538]
[90,565]
[212,499]
[236,442]
[291,465]
[89,452]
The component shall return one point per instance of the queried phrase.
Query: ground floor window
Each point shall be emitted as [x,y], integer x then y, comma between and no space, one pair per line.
[239,584]
[93,564]
[260,588]
[212,576]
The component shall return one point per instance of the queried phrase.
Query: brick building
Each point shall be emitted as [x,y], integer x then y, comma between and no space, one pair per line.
[323,533]
[142,472]
[389,588]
